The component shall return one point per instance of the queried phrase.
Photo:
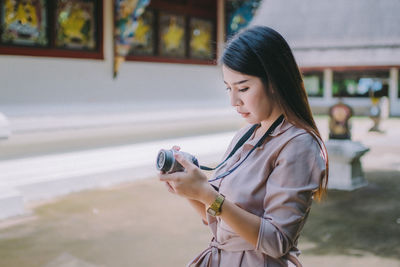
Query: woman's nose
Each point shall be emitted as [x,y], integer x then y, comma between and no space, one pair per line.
[235,100]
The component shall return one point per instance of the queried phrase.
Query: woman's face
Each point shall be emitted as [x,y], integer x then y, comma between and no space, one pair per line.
[248,96]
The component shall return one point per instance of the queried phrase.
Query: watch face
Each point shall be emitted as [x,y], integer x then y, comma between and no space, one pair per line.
[211,212]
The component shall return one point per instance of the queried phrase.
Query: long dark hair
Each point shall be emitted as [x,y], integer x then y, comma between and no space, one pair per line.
[262,52]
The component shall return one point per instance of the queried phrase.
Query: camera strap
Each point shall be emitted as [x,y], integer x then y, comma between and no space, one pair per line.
[242,140]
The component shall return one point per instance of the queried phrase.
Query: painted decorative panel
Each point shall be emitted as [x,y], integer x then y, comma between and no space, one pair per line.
[143,40]
[239,13]
[172,35]
[75,24]
[201,37]
[24,22]
[176,31]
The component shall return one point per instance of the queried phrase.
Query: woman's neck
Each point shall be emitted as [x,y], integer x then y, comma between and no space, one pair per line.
[266,124]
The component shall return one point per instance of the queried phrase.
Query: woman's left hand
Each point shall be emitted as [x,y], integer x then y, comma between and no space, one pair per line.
[191,183]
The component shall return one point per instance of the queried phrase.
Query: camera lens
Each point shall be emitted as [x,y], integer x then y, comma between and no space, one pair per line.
[165,159]
[160,160]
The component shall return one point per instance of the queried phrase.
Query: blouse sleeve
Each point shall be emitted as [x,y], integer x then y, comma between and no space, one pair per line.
[297,171]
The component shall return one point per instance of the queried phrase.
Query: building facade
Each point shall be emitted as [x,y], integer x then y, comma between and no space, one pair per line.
[344,49]
[56,79]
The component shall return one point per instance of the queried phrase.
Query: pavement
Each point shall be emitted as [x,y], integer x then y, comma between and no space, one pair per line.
[138,223]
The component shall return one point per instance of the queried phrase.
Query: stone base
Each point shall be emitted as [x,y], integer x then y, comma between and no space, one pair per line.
[345,169]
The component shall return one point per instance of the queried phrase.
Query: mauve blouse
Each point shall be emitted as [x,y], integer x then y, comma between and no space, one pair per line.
[276,182]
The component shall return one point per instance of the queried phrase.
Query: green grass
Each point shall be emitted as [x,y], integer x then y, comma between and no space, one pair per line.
[365,220]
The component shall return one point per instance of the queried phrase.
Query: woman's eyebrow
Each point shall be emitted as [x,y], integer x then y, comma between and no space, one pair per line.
[239,82]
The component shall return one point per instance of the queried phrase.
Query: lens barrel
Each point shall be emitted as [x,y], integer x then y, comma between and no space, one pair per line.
[166,162]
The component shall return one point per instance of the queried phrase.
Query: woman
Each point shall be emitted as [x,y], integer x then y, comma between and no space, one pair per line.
[258,200]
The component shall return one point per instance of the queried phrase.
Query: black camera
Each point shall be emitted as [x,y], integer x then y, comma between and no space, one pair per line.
[167,163]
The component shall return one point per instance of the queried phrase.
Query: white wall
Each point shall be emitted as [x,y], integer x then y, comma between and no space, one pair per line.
[48,85]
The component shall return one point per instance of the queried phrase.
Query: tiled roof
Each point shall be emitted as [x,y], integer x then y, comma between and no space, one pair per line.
[333,24]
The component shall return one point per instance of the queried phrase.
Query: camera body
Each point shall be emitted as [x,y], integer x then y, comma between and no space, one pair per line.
[166,162]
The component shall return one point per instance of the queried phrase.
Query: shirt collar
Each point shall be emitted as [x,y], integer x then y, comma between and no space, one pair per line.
[281,128]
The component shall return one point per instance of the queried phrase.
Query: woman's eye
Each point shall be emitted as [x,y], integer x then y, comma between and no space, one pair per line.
[244,89]
[228,89]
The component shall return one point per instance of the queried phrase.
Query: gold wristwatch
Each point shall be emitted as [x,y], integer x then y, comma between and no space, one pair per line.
[215,208]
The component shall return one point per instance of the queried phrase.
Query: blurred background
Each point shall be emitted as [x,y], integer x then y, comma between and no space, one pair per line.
[92,89]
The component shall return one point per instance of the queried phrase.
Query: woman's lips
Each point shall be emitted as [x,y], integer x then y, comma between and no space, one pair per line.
[244,114]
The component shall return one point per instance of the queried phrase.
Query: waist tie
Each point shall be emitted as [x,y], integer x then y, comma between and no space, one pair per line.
[211,255]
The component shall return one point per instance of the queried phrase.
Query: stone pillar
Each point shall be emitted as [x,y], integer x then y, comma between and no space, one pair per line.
[393,88]
[328,80]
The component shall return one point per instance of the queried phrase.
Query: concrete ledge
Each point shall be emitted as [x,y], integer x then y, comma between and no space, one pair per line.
[46,123]
[42,135]
[45,177]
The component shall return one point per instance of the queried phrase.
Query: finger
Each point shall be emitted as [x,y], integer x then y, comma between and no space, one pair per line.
[184,162]
[167,177]
[177,148]
[169,187]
